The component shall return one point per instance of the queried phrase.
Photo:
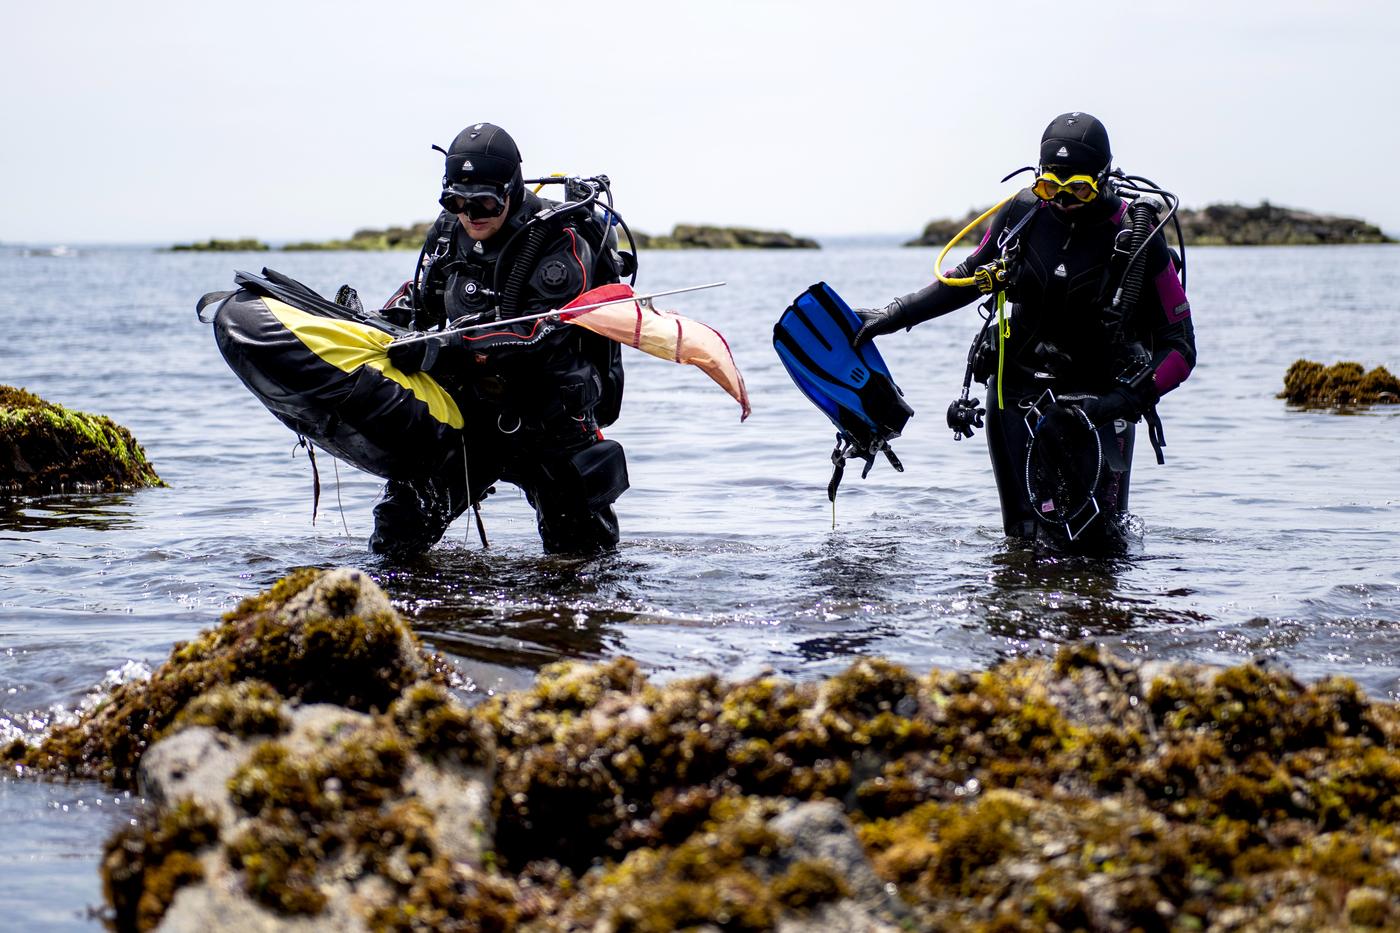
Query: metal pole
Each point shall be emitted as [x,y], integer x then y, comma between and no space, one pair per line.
[600,304]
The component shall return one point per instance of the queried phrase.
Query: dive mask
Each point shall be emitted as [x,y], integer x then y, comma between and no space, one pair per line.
[481,204]
[1048,186]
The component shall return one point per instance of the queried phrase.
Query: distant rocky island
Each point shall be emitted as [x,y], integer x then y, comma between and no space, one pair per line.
[1218,225]
[682,236]
[243,245]
[702,236]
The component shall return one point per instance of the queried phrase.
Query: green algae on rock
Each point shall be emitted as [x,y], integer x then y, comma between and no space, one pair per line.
[314,637]
[1086,793]
[1083,792]
[1339,385]
[46,448]
[146,864]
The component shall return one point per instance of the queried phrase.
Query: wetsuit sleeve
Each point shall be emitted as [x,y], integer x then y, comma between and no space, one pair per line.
[938,299]
[1166,314]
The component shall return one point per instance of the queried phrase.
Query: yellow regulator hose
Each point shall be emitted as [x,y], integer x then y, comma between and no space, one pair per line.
[938,268]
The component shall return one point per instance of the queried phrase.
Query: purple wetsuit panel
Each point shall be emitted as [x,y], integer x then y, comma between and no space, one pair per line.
[1170,373]
[1173,298]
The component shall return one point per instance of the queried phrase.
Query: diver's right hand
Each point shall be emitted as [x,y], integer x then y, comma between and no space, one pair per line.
[419,352]
[886,320]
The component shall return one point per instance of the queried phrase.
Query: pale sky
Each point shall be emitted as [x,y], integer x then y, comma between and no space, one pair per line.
[159,122]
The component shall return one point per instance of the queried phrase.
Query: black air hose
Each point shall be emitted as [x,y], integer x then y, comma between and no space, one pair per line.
[520,272]
[535,232]
[1142,218]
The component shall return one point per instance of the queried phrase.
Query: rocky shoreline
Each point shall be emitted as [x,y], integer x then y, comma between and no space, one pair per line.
[682,236]
[309,766]
[46,448]
[1214,225]
[704,236]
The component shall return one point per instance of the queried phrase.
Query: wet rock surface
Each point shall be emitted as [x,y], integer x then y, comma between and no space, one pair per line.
[1341,385]
[46,448]
[1084,792]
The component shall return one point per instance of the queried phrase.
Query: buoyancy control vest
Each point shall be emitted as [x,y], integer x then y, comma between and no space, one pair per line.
[542,258]
[1063,270]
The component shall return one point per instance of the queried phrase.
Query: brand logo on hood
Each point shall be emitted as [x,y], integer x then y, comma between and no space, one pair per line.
[467,165]
[1063,152]
[1060,270]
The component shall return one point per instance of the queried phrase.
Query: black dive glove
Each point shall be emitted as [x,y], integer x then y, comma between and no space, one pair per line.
[1121,402]
[422,352]
[873,323]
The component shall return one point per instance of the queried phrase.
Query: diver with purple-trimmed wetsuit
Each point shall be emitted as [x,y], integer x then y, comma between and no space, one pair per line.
[1097,314]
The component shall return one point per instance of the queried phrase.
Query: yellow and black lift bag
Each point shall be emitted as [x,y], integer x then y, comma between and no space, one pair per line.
[322,369]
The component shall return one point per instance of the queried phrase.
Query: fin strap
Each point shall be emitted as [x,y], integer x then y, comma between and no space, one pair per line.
[207,300]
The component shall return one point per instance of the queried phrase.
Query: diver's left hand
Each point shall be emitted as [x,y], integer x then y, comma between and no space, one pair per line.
[1112,405]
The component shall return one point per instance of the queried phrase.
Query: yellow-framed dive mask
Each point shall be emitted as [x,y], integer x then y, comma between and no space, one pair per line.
[1049,185]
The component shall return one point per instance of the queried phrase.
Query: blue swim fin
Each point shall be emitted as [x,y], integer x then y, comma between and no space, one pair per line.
[851,387]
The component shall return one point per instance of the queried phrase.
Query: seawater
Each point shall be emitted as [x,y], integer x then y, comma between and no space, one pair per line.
[1270,533]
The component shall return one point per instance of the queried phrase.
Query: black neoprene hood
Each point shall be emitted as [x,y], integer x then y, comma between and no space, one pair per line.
[1077,140]
[484,154]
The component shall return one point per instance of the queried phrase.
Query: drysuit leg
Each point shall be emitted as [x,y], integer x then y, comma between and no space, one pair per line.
[1118,456]
[411,516]
[1007,437]
[572,494]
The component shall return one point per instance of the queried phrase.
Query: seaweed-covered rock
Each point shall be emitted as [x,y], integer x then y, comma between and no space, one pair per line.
[1086,792]
[46,448]
[1339,385]
[753,864]
[314,637]
[306,769]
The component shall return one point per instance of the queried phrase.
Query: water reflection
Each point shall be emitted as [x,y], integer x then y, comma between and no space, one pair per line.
[99,512]
[1040,595]
[517,610]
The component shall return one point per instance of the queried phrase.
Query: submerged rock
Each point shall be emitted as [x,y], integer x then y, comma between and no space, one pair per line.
[46,448]
[1339,385]
[1087,792]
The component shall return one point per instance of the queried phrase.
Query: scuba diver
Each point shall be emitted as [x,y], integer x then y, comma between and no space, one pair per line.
[535,394]
[1099,330]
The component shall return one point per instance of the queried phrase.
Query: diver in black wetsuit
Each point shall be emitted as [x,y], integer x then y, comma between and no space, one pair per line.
[1062,273]
[534,394]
